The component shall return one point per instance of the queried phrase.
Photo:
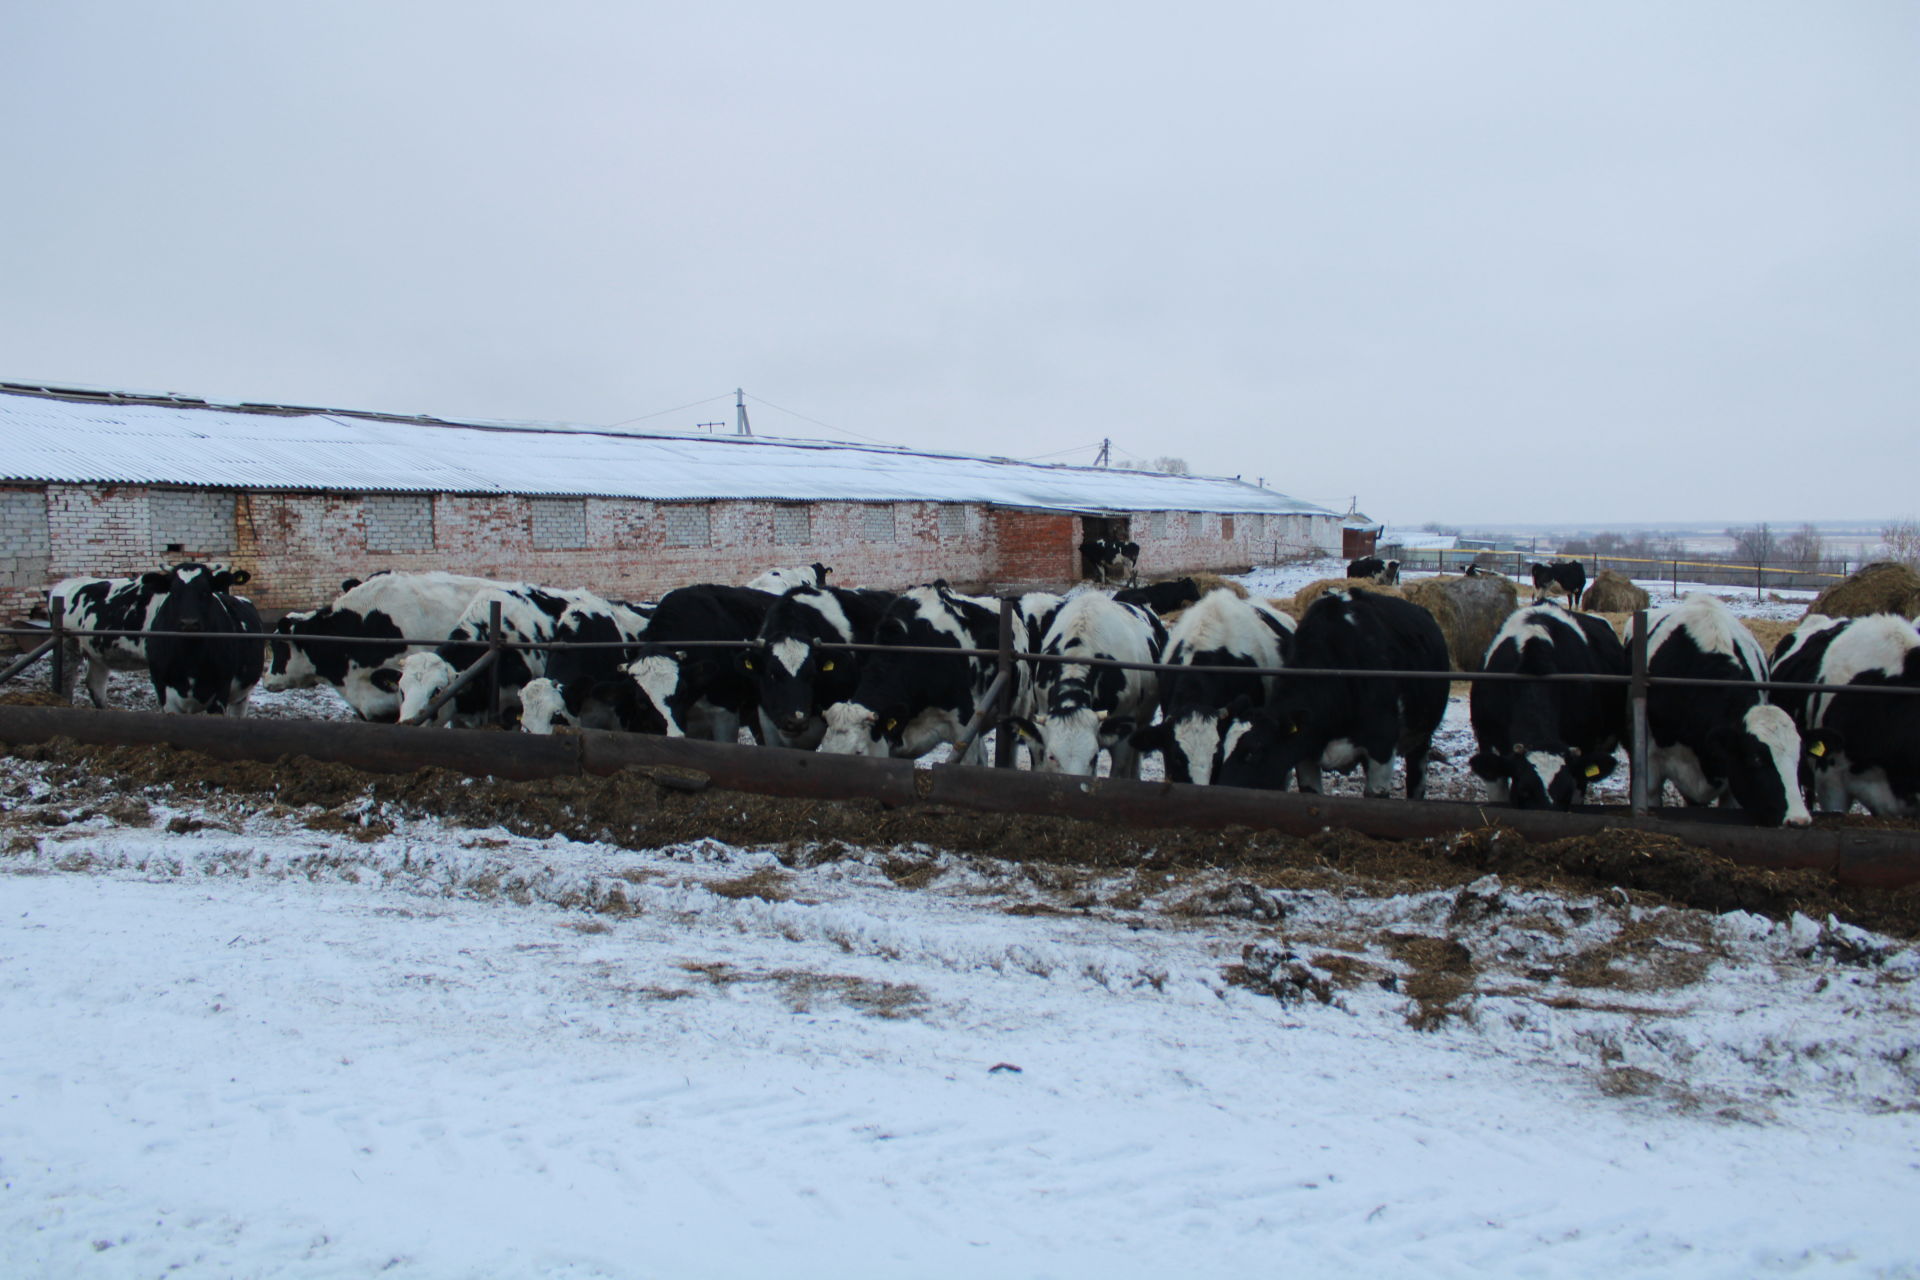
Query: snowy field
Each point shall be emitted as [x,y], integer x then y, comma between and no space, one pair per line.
[249,1038]
[241,1046]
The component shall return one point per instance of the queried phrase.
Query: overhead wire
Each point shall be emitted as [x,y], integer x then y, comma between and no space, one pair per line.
[664,412]
[827,425]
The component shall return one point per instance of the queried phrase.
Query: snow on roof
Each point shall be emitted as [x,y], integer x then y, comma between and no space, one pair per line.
[1419,540]
[61,436]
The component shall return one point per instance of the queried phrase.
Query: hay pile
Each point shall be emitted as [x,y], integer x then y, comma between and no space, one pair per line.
[1208,582]
[1469,611]
[1884,587]
[1614,592]
[1769,631]
[1314,590]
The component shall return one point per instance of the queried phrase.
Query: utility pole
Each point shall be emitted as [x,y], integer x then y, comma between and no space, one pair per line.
[740,427]
[1105,456]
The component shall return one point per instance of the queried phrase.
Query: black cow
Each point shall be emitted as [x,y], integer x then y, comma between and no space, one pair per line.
[799,681]
[1542,744]
[1864,746]
[908,703]
[1162,597]
[1569,576]
[1111,559]
[1214,643]
[215,674]
[1311,723]
[1715,743]
[588,688]
[1374,569]
[699,690]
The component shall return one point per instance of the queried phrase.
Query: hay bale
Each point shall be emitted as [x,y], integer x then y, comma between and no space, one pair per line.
[1769,631]
[1212,581]
[1622,623]
[1884,587]
[1314,590]
[1469,611]
[1614,592]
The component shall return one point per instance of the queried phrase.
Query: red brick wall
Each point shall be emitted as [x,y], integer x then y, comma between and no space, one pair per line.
[300,546]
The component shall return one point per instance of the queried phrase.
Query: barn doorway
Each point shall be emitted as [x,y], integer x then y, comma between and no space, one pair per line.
[1117,530]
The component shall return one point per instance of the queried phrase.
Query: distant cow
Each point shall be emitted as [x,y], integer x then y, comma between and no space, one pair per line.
[798,680]
[1863,746]
[908,703]
[1082,708]
[1569,576]
[1719,743]
[1374,569]
[215,674]
[1311,723]
[1112,559]
[307,648]
[1541,744]
[1162,597]
[1214,642]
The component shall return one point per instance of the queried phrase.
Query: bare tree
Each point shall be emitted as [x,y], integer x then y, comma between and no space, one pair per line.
[1902,539]
[1755,545]
[1803,547]
[1172,466]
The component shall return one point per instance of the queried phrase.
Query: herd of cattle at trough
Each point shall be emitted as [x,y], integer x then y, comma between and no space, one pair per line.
[710,660]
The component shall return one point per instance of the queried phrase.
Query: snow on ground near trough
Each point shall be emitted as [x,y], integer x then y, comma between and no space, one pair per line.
[237,1046]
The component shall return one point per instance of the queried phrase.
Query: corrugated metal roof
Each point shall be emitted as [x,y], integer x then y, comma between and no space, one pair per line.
[108,439]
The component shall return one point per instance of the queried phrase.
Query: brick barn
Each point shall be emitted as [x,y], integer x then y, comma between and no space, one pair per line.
[113,484]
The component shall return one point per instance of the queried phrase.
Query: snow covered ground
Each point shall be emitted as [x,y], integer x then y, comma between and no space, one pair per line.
[237,1046]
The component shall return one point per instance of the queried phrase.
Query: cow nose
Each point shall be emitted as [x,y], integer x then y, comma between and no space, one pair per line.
[793,723]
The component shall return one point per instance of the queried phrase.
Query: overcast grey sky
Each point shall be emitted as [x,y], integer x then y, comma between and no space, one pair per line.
[1469,262]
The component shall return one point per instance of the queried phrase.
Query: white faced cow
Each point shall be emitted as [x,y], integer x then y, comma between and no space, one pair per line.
[308,648]
[1718,744]
[1541,744]
[1083,708]
[588,688]
[797,679]
[699,689]
[1216,640]
[908,703]
[1864,746]
[528,615]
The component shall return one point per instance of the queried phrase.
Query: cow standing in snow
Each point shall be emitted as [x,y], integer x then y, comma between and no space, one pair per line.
[797,678]
[1863,746]
[112,604]
[1718,744]
[574,690]
[1082,708]
[1541,744]
[217,673]
[697,689]
[1215,641]
[908,703]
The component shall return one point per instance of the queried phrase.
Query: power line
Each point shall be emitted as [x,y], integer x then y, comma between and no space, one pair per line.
[827,425]
[664,412]
[1079,448]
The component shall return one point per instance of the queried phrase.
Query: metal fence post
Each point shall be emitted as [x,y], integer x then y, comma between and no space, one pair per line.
[1003,733]
[1639,795]
[1758,570]
[493,671]
[57,625]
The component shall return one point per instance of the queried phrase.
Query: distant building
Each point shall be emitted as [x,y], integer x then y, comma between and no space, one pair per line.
[112,483]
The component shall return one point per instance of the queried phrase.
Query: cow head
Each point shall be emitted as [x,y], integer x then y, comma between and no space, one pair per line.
[794,677]
[1543,778]
[288,666]
[854,729]
[1260,748]
[1071,738]
[1188,743]
[1761,757]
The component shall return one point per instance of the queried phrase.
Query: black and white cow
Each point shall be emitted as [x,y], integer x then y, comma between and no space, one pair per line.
[700,691]
[588,688]
[529,614]
[797,680]
[1569,576]
[908,703]
[1083,708]
[215,674]
[1336,722]
[1215,641]
[1162,597]
[112,604]
[315,646]
[776,581]
[1374,569]
[1542,744]
[1864,746]
[1111,559]
[1725,744]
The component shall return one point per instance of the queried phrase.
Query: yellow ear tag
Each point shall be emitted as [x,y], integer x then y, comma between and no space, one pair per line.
[827,665]
[749,664]
[1593,771]
[892,725]
[1817,750]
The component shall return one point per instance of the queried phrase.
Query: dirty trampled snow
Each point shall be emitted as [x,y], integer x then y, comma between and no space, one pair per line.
[237,1045]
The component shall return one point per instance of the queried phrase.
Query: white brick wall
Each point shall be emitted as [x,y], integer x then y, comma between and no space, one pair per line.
[792,526]
[192,521]
[953,522]
[558,523]
[26,552]
[398,522]
[689,524]
[879,524]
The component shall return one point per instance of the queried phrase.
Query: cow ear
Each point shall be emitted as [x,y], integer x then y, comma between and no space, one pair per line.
[1821,743]
[348,584]
[385,679]
[1116,728]
[239,578]
[826,664]
[746,661]
[1152,737]
[1593,765]
[1488,766]
[158,583]
[1024,727]
[893,721]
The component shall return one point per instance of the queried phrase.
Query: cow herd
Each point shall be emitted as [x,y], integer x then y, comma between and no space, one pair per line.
[798,663]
